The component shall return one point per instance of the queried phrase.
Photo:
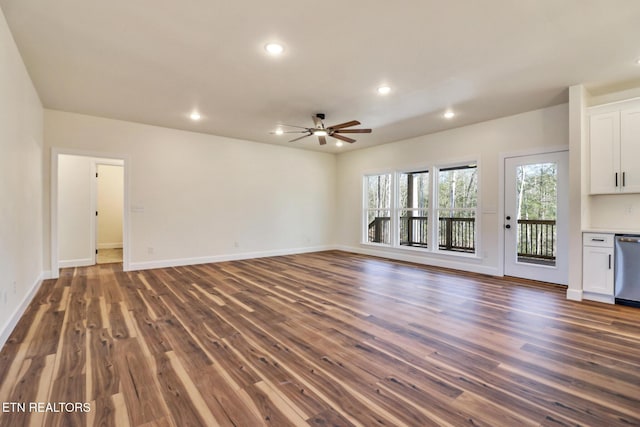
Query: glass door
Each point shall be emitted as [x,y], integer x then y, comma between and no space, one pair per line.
[535,221]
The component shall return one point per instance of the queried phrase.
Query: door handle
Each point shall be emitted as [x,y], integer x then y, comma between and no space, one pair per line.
[629,239]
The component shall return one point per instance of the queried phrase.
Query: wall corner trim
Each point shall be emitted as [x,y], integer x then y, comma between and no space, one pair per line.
[574,294]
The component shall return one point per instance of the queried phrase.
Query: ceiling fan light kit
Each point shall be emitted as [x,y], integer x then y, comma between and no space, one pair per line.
[322,131]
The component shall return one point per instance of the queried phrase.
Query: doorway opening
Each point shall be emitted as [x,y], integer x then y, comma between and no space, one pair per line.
[88,210]
[109,211]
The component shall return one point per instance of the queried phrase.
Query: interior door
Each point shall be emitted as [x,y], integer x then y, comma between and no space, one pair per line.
[536,217]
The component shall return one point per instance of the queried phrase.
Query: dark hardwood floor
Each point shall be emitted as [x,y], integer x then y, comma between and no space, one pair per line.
[323,339]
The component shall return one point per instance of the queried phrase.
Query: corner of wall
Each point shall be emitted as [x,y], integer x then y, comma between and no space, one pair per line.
[578,98]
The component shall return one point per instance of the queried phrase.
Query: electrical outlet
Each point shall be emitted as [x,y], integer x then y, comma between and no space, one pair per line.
[15,288]
[150,250]
[236,244]
[4,297]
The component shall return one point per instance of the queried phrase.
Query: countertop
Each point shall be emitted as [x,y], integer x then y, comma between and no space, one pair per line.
[610,231]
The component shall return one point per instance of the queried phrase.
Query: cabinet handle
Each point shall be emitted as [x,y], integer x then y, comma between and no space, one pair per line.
[597,240]
[624,179]
[609,261]
[616,179]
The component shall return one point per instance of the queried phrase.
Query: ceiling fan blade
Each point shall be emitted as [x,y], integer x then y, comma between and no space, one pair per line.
[290,131]
[299,138]
[293,126]
[322,140]
[353,131]
[343,138]
[345,125]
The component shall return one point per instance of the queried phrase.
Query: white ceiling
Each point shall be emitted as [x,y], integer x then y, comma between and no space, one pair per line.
[156,61]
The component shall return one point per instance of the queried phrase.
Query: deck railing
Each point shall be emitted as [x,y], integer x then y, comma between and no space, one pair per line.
[457,234]
[379,230]
[537,238]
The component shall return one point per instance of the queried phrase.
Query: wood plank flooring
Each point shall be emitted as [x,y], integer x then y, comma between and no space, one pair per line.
[322,339]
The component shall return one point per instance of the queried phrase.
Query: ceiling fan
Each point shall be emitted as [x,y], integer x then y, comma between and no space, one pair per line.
[322,131]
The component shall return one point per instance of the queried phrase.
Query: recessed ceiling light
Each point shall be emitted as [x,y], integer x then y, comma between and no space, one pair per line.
[383,90]
[279,131]
[320,132]
[274,48]
[449,114]
[638,61]
[339,144]
[195,116]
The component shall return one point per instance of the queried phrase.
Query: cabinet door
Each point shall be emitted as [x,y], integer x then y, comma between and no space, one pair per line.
[604,140]
[597,270]
[630,150]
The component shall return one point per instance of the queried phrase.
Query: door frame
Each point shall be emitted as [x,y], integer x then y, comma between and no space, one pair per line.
[53,204]
[501,192]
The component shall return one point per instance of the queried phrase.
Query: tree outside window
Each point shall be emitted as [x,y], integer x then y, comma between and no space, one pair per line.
[413,208]
[457,205]
[378,208]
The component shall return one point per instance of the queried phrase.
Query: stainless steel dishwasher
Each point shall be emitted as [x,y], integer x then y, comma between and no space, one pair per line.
[627,269]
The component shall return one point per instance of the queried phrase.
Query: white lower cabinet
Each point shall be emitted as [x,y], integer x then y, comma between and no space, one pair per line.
[597,267]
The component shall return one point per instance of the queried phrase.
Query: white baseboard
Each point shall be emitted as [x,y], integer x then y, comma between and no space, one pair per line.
[607,299]
[8,327]
[147,265]
[472,265]
[109,245]
[83,262]
[574,294]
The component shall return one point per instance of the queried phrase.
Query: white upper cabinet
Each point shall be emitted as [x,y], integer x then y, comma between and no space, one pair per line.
[604,136]
[614,138]
[630,150]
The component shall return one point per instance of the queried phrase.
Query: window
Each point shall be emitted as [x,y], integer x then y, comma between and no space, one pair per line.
[413,211]
[431,209]
[377,212]
[457,202]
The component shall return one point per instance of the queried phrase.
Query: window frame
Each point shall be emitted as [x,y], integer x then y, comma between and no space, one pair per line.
[398,208]
[433,209]
[366,209]
[436,208]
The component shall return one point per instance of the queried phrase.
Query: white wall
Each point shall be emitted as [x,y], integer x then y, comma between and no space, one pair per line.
[110,205]
[483,141]
[578,184]
[75,246]
[20,184]
[198,198]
